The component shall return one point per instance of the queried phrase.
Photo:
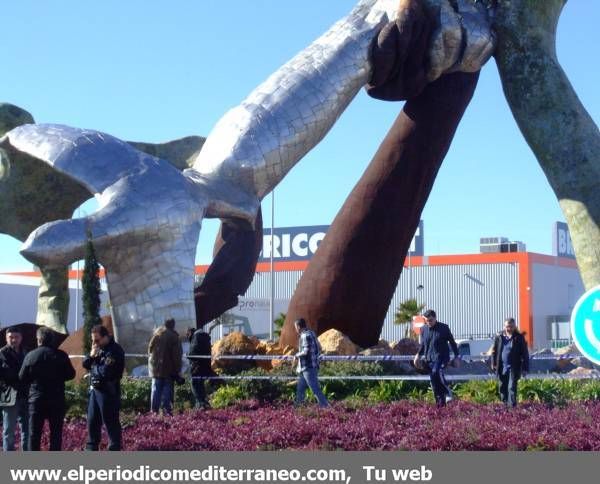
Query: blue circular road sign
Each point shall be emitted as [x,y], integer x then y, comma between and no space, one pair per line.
[585,325]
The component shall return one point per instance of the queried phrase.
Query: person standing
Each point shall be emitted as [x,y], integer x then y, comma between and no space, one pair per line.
[46,369]
[436,338]
[510,361]
[13,393]
[165,366]
[308,364]
[105,363]
[200,345]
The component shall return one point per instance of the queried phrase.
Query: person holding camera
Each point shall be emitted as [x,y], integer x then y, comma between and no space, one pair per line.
[165,366]
[105,363]
[436,338]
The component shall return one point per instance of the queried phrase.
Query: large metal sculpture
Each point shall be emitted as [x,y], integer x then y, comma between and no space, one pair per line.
[352,277]
[147,227]
[561,133]
[557,127]
[32,194]
[361,258]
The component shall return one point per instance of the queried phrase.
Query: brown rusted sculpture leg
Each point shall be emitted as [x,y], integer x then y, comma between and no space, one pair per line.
[236,252]
[350,281]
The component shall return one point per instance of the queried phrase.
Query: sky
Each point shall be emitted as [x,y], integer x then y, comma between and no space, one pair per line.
[159,70]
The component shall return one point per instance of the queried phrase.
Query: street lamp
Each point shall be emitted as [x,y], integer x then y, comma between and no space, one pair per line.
[271,306]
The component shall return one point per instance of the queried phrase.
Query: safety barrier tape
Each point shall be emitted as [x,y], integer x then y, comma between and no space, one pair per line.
[340,357]
[530,376]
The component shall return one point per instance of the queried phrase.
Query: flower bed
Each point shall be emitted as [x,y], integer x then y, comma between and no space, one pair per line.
[403,425]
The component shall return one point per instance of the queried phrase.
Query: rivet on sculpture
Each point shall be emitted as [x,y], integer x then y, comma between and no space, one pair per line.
[148,223]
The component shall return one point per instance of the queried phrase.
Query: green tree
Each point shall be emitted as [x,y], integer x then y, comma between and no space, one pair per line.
[405,313]
[90,284]
[279,322]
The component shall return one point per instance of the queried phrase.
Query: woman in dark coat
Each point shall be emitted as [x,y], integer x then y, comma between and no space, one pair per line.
[510,360]
[200,344]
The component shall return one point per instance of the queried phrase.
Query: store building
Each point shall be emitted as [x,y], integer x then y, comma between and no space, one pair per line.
[473,293]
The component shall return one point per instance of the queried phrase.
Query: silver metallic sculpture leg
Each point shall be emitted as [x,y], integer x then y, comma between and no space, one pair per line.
[147,227]
[31,194]
[53,299]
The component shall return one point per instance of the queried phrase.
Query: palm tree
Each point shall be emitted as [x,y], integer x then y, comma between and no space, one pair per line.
[405,313]
[279,321]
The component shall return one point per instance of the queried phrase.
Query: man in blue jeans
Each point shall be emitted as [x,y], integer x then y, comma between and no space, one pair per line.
[308,364]
[436,340]
[165,366]
[510,360]
[13,393]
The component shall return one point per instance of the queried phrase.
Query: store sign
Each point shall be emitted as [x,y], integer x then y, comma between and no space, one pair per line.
[561,241]
[301,243]
[417,245]
[292,243]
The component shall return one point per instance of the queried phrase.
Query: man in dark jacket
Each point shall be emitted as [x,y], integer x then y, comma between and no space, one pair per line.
[105,363]
[510,360]
[436,338]
[200,345]
[46,369]
[13,393]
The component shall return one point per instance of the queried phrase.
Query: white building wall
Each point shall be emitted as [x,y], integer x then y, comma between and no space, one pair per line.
[18,301]
[473,299]
[555,290]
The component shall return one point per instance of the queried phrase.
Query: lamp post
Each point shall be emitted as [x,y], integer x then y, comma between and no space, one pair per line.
[271,305]
[410,291]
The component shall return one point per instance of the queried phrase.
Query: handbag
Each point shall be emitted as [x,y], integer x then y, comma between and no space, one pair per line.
[8,395]
[422,366]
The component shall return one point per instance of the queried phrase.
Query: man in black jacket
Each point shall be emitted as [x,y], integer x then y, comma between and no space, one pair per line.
[105,363]
[510,360]
[435,338]
[13,393]
[200,368]
[46,369]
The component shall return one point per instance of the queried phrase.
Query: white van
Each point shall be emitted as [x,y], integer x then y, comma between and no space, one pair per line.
[474,347]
